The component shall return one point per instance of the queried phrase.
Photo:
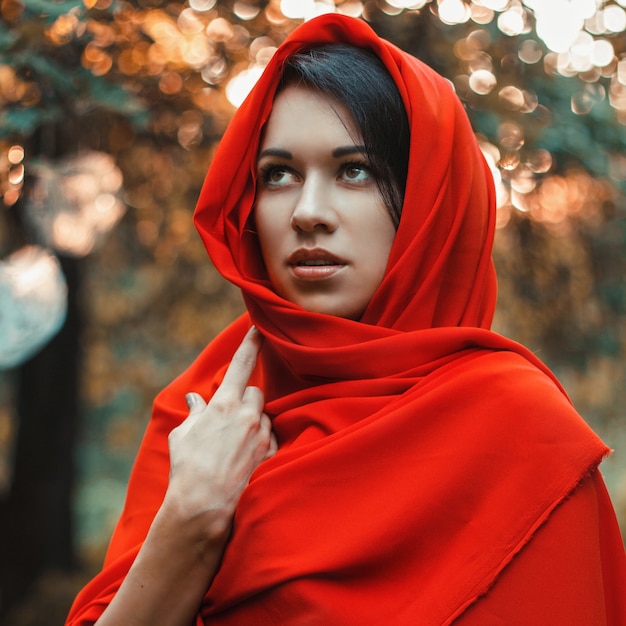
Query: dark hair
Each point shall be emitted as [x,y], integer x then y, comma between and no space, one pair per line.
[358,79]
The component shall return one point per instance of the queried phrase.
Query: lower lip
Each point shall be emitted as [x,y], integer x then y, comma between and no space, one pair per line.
[315,272]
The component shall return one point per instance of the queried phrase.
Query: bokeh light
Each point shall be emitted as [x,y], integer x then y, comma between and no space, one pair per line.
[74,203]
[240,85]
[32,303]
[453,11]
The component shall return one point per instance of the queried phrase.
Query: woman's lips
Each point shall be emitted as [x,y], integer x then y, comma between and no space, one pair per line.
[314,264]
[315,272]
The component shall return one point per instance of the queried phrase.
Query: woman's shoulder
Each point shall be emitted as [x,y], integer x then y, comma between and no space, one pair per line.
[511,392]
[507,370]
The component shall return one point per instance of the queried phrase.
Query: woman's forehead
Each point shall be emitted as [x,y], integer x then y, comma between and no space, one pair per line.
[303,114]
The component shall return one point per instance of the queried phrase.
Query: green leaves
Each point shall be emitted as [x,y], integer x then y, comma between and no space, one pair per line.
[113,97]
[7,38]
[47,71]
[49,11]
[49,82]
[22,121]
[65,89]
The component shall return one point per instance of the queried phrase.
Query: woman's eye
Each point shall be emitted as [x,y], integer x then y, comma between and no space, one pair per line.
[276,176]
[355,172]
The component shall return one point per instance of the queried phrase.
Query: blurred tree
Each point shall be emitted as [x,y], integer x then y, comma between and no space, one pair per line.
[152,84]
[48,99]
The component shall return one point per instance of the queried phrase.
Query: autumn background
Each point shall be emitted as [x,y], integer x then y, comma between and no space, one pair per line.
[110,111]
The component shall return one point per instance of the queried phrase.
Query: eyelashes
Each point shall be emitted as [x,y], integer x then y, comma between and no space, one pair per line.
[272,174]
[275,174]
[362,170]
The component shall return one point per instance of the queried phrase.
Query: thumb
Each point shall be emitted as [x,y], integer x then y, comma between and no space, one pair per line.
[195,402]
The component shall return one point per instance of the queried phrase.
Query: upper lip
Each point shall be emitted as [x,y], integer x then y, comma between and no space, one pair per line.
[314,254]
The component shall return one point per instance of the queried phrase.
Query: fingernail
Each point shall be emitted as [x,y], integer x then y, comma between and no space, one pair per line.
[255,332]
[191,400]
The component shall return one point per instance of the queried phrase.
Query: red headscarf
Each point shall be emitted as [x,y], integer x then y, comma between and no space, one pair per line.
[419,452]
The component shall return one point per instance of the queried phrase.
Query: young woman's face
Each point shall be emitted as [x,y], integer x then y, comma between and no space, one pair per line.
[324,230]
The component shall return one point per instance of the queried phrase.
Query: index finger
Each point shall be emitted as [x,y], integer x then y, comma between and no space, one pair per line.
[242,365]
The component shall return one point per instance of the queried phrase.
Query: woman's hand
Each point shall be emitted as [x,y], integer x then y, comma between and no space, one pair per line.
[216,449]
[212,455]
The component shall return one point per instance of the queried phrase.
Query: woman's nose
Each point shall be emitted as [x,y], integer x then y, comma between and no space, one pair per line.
[313,209]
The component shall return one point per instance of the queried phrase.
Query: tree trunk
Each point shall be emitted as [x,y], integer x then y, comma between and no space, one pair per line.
[36,529]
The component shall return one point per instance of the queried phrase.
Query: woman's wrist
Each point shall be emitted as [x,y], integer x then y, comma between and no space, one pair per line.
[173,570]
[203,529]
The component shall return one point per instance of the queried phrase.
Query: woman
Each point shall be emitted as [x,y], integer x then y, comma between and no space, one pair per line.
[419,469]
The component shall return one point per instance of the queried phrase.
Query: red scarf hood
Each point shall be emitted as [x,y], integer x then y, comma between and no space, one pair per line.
[440,271]
[419,450]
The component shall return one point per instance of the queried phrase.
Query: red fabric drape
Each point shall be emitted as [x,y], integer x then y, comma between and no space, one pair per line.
[421,455]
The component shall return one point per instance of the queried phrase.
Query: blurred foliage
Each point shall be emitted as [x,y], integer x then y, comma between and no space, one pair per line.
[152,84]
[43,80]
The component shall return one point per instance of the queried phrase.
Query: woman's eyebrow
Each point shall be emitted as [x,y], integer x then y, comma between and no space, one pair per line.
[336,153]
[346,150]
[275,152]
